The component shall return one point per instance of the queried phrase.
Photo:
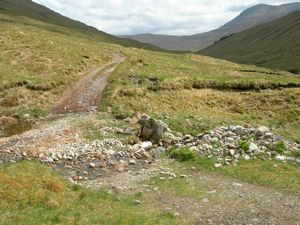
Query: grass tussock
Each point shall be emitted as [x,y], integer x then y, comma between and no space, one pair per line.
[33,194]
[269,173]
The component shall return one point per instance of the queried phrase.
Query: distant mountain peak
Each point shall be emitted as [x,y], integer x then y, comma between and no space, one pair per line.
[251,17]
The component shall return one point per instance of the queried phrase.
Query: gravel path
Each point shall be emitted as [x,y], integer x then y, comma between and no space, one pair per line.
[228,201]
[86,93]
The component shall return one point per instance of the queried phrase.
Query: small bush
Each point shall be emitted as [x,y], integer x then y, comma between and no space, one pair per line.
[182,154]
[280,147]
[245,145]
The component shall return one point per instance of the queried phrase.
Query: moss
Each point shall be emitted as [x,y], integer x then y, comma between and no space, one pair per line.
[182,154]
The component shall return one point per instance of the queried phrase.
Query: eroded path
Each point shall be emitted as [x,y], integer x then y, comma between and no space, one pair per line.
[85,95]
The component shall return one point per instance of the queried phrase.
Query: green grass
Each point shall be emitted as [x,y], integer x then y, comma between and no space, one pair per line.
[182,154]
[273,45]
[269,173]
[33,194]
[244,145]
[163,86]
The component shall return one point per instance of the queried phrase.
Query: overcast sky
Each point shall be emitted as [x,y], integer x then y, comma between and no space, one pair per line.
[177,17]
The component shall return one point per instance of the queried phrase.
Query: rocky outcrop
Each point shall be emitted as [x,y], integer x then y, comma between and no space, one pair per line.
[233,143]
[151,129]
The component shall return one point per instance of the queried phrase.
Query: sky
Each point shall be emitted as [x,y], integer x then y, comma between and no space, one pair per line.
[174,17]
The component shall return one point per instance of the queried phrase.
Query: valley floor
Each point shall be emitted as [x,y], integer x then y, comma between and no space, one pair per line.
[186,193]
[168,191]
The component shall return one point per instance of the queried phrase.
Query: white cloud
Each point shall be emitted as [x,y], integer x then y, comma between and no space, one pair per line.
[177,17]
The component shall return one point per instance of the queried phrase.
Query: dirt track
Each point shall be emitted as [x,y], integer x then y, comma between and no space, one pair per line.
[85,95]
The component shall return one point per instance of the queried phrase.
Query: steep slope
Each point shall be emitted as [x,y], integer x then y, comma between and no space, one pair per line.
[274,45]
[251,17]
[30,9]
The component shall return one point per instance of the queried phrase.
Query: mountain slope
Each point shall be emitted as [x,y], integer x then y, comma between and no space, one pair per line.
[251,17]
[30,9]
[274,45]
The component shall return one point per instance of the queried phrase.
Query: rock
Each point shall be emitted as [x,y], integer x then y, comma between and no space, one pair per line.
[127,131]
[207,147]
[205,200]
[176,214]
[137,202]
[194,149]
[253,147]
[119,167]
[232,152]
[232,128]
[151,129]
[218,165]
[160,150]
[297,161]
[48,160]
[214,140]
[206,137]
[239,130]
[280,158]
[262,130]
[147,145]
[258,152]
[268,135]
[110,152]
[247,157]
[183,176]
[92,165]
[132,162]
[237,185]
[142,154]
[136,147]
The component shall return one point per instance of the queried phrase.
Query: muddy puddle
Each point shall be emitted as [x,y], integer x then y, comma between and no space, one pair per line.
[18,127]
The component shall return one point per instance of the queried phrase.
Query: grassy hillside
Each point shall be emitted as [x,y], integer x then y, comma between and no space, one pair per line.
[274,45]
[36,69]
[30,9]
[196,93]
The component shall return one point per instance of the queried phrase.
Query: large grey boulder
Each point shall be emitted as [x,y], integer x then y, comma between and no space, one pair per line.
[151,129]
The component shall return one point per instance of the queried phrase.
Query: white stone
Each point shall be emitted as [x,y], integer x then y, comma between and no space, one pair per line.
[136,147]
[110,152]
[280,158]
[194,149]
[262,130]
[239,130]
[237,185]
[253,147]
[132,162]
[205,200]
[147,145]
[247,157]
[218,165]
[214,140]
